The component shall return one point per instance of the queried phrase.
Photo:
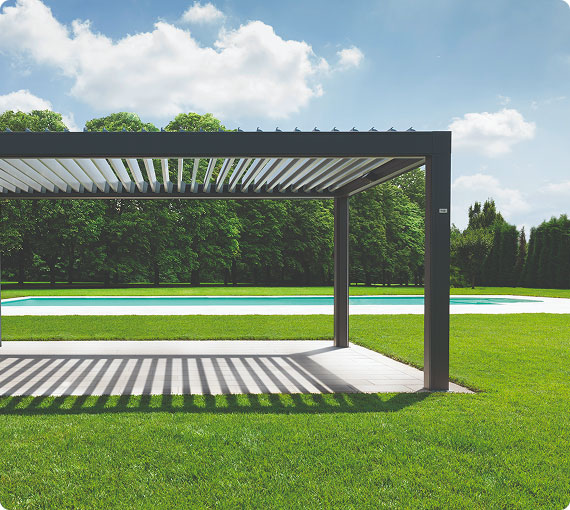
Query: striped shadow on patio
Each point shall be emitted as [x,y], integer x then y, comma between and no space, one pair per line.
[199,367]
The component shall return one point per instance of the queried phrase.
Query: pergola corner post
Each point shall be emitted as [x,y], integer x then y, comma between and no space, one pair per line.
[0,301]
[436,311]
[341,277]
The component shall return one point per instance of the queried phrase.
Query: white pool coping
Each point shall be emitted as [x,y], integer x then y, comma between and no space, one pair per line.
[544,305]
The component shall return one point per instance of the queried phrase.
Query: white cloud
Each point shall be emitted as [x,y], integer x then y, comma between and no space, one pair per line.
[535,105]
[567,1]
[505,100]
[556,188]
[24,101]
[350,57]
[249,71]
[482,186]
[199,13]
[491,133]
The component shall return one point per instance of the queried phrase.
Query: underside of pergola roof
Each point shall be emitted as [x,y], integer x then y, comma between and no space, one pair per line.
[207,165]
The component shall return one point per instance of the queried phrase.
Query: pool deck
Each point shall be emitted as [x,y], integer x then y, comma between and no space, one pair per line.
[545,305]
[200,367]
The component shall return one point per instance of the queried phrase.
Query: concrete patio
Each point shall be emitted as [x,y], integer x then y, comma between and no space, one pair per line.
[199,367]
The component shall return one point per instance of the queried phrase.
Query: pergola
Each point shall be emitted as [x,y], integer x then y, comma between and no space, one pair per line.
[254,165]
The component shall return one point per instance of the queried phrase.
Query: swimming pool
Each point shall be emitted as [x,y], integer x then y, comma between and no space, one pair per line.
[271,305]
[249,301]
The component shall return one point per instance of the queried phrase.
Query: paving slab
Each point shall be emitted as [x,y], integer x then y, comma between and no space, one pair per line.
[199,367]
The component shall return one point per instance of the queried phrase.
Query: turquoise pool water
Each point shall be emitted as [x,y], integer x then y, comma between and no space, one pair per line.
[249,301]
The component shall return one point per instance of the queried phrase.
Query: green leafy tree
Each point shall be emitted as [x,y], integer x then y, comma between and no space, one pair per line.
[122,253]
[531,264]
[413,184]
[548,261]
[499,266]
[484,216]
[307,241]
[119,121]
[195,122]
[20,219]
[471,248]
[387,236]
[261,239]
[216,229]
[369,252]
[36,120]
[521,257]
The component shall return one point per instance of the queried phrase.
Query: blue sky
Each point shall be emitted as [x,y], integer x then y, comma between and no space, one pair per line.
[495,72]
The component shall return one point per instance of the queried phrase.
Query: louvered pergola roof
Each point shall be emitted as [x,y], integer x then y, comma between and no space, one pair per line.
[236,164]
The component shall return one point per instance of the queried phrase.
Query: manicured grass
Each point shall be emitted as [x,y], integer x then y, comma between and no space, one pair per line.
[163,327]
[505,447]
[10,291]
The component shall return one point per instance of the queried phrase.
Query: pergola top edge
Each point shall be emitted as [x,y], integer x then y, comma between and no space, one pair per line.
[223,144]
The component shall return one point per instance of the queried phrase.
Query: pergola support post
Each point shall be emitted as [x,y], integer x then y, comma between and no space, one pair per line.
[341,279]
[436,311]
[0,300]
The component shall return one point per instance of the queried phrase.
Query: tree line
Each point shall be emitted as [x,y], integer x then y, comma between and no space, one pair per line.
[492,252]
[258,241]
[194,241]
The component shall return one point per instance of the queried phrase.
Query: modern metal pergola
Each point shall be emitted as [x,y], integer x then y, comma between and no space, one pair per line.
[254,165]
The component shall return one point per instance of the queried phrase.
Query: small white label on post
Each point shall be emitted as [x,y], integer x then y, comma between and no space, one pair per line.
[443,211]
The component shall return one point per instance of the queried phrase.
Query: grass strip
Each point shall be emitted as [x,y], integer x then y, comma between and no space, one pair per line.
[9,291]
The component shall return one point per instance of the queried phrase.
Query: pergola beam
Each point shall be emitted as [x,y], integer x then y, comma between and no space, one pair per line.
[219,144]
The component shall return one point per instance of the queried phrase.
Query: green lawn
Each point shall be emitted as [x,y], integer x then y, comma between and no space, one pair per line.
[504,447]
[11,291]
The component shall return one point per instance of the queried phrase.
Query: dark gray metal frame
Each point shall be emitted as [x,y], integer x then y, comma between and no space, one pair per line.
[410,149]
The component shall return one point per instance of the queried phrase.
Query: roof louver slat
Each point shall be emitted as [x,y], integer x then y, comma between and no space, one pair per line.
[14,181]
[166,175]
[50,183]
[339,166]
[119,168]
[209,172]
[321,167]
[239,170]
[354,173]
[108,174]
[281,172]
[9,186]
[251,173]
[153,183]
[194,174]
[267,172]
[179,184]
[298,172]
[362,172]
[52,164]
[135,169]
[228,163]
[93,172]
[25,177]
